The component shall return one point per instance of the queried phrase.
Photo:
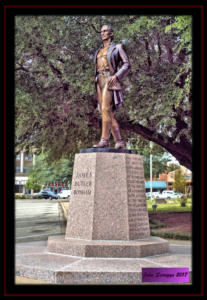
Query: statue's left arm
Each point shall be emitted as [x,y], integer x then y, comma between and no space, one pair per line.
[125,63]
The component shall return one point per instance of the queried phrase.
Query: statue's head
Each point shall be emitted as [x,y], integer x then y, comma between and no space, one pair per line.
[107,32]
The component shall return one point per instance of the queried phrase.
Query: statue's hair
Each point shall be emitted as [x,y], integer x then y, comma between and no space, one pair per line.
[110,30]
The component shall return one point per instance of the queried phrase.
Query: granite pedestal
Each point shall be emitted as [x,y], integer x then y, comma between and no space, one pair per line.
[107,216]
[108,198]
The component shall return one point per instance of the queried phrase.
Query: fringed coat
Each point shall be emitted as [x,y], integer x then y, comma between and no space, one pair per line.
[115,55]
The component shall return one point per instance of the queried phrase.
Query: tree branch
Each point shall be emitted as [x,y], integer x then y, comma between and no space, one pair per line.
[159,47]
[148,55]
[181,151]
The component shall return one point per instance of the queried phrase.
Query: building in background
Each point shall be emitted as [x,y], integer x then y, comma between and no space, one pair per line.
[170,179]
[157,185]
[23,164]
[166,181]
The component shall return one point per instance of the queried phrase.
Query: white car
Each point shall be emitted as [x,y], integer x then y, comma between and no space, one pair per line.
[64,194]
[148,195]
[154,195]
[167,195]
[179,195]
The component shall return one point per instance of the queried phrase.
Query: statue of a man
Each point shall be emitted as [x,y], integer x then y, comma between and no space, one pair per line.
[108,88]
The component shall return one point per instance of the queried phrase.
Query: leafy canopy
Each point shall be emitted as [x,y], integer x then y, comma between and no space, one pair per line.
[45,172]
[54,97]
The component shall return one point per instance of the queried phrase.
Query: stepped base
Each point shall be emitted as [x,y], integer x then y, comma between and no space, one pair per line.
[33,260]
[92,248]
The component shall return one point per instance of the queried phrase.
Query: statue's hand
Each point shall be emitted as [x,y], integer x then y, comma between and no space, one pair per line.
[99,108]
[112,80]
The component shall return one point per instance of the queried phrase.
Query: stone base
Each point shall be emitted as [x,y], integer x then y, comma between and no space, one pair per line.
[91,248]
[33,260]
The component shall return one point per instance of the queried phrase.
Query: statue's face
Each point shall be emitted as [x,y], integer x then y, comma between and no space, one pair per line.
[105,33]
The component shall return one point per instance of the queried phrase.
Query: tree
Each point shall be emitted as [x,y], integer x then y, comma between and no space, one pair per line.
[55,105]
[179,184]
[172,167]
[44,172]
[159,165]
[159,156]
[32,183]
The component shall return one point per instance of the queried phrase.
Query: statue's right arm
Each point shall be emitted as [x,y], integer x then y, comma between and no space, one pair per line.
[125,63]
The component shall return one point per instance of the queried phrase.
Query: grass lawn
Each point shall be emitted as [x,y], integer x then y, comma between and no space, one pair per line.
[172,205]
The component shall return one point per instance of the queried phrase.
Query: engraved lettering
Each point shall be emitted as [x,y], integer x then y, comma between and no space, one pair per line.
[82,192]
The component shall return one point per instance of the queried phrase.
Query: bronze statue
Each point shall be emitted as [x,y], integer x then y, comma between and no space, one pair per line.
[108,88]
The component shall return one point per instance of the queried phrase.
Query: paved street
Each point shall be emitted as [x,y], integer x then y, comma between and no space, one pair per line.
[38,219]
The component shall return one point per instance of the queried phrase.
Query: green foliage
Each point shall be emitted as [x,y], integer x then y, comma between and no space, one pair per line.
[182,28]
[19,196]
[172,235]
[170,207]
[156,224]
[159,165]
[54,96]
[183,200]
[32,183]
[172,167]
[159,156]
[153,201]
[47,172]
[179,183]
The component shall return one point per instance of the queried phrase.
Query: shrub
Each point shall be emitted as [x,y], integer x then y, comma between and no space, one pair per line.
[20,196]
[156,224]
[171,235]
[183,200]
[153,201]
[168,235]
[161,201]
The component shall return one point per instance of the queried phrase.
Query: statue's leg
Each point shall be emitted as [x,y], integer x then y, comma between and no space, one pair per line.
[104,142]
[119,143]
[99,96]
[106,110]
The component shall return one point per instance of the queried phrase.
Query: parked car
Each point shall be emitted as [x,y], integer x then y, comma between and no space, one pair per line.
[64,194]
[167,195]
[47,194]
[179,195]
[154,195]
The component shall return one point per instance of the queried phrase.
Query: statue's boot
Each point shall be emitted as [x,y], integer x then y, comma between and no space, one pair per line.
[104,142]
[119,143]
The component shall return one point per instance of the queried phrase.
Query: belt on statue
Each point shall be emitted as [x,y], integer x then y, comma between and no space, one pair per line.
[104,71]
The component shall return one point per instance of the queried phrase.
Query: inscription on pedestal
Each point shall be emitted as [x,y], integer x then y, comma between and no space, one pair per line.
[82,183]
[137,207]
